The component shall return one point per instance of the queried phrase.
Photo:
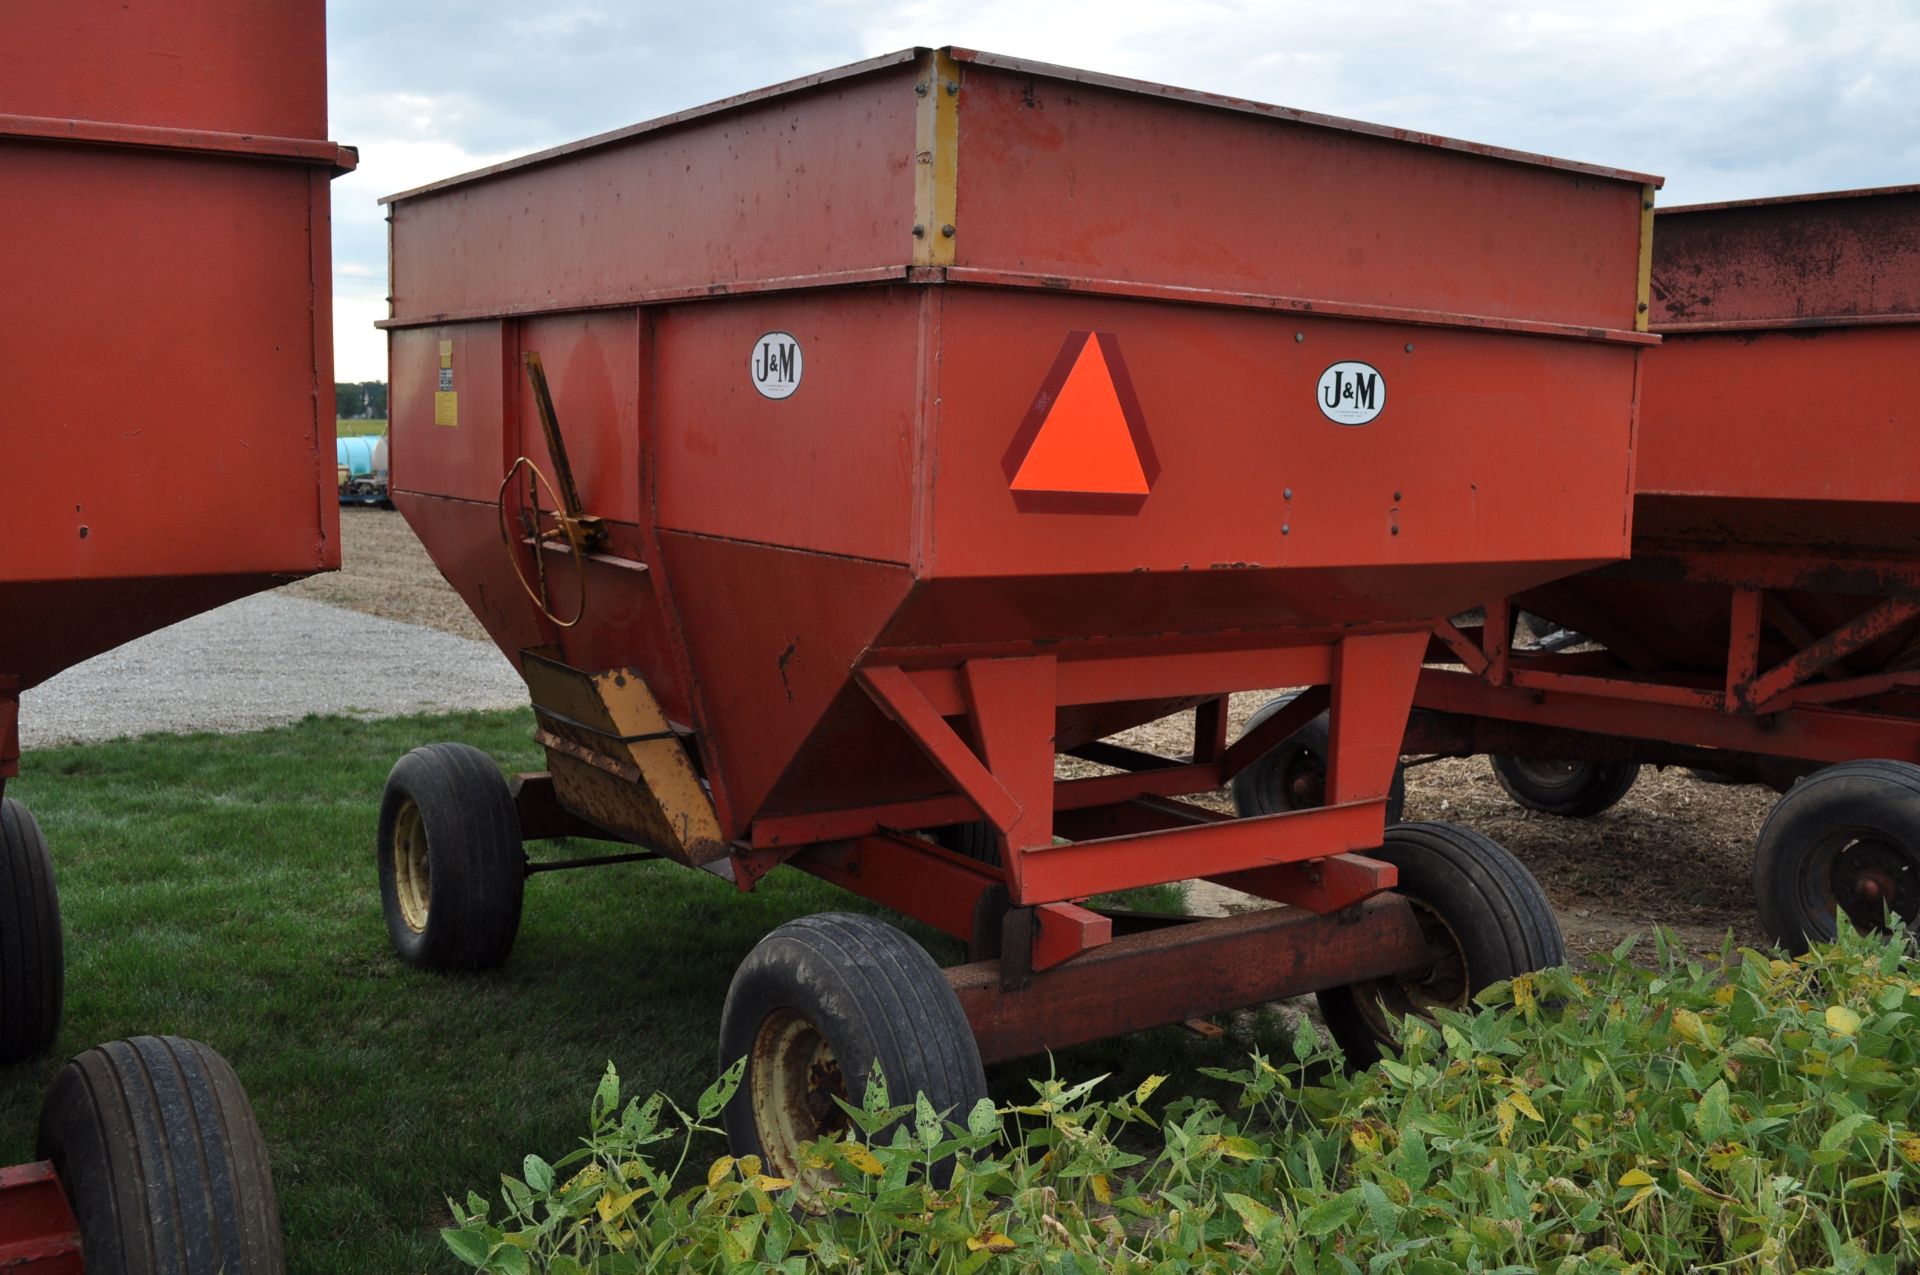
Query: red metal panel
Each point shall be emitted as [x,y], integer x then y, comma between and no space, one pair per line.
[231,66]
[1819,418]
[458,448]
[1482,434]
[1802,260]
[593,363]
[1097,180]
[820,184]
[38,1234]
[829,468]
[168,444]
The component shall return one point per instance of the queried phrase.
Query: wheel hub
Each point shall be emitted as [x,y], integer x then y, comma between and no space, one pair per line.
[1443,984]
[1872,878]
[1305,782]
[794,1076]
[412,874]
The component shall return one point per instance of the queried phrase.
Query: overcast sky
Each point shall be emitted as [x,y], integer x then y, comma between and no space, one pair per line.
[1726,98]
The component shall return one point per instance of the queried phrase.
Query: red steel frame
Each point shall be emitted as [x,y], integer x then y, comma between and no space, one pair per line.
[1061,840]
[1806,708]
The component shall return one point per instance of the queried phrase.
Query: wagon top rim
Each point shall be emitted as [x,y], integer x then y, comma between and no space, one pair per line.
[1043,70]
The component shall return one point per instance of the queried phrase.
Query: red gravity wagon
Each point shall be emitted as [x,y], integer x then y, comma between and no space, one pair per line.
[832,459]
[165,254]
[1767,627]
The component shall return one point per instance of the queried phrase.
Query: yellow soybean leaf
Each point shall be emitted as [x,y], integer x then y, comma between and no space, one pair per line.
[1364,1139]
[1527,1109]
[1637,1199]
[1102,1191]
[719,1169]
[862,1159]
[1523,997]
[749,1166]
[1636,1177]
[1910,1148]
[762,1182]
[1688,1024]
[991,1241]
[1240,1148]
[1842,1021]
[1695,1184]
[1147,1086]
[612,1206]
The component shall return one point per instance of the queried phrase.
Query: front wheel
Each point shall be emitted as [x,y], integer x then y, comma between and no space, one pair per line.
[1844,839]
[1575,789]
[1485,919]
[812,1008]
[159,1153]
[453,868]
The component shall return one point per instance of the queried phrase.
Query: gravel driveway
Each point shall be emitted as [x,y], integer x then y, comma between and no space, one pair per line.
[266,661]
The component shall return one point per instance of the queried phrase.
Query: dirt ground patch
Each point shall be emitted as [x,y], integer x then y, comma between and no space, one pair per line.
[386,572]
[1676,852]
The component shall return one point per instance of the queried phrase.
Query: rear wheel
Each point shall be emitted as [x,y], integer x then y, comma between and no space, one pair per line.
[1485,919]
[1293,775]
[162,1160]
[812,1008]
[452,865]
[32,956]
[1575,789]
[1844,839]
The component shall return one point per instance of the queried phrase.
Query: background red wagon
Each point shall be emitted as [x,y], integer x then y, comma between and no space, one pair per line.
[1767,627]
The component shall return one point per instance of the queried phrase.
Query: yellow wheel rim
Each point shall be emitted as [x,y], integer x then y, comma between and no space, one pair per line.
[794,1078]
[412,877]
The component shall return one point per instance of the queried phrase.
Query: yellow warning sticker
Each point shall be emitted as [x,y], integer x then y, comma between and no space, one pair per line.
[446,403]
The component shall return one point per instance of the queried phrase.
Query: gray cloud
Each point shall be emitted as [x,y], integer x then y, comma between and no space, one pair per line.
[1726,99]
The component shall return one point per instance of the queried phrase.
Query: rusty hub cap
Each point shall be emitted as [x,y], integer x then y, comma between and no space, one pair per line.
[794,1078]
[1303,782]
[412,879]
[1445,984]
[1869,879]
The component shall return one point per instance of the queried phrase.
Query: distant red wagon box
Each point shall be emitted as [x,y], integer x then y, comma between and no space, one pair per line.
[165,320]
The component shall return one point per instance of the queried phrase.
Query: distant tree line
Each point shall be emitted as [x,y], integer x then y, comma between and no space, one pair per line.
[360,400]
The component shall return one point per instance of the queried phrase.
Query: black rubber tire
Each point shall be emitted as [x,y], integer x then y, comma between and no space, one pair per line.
[1293,774]
[162,1160]
[1585,789]
[1823,839]
[476,864]
[33,971]
[975,840]
[1485,914]
[869,992]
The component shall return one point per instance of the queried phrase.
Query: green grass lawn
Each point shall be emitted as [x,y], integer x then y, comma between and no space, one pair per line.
[223,887]
[351,429]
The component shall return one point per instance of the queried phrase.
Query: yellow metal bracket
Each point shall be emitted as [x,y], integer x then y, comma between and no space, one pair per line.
[936,159]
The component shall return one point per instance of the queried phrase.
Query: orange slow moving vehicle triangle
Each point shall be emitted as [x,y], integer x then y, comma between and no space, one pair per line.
[1083,445]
